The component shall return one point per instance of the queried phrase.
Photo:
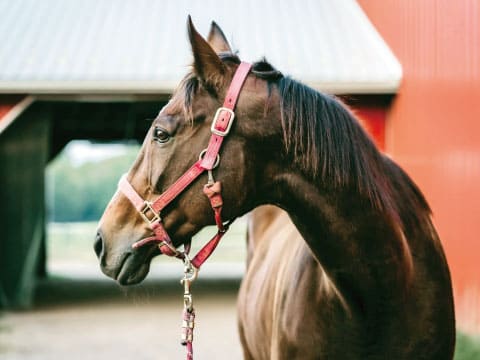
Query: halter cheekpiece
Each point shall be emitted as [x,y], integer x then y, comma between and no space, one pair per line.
[151,211]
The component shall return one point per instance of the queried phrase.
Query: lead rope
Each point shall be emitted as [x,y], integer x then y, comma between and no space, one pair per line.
[188,324]
[212,189]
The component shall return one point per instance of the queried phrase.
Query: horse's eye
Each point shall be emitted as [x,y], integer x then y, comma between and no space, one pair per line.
[160,135]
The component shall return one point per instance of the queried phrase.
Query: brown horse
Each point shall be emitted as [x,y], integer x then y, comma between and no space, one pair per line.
[367,278]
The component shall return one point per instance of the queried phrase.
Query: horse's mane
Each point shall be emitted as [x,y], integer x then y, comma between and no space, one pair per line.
[327,143]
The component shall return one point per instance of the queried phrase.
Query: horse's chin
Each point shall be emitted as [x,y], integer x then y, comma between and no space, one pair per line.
[134,269]
[131,275]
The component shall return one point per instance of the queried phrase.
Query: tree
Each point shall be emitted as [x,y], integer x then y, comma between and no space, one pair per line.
[80,193]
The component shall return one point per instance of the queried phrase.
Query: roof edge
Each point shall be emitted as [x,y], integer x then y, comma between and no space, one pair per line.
[167,87]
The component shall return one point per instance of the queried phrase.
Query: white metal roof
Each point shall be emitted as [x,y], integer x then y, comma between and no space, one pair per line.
[141,46]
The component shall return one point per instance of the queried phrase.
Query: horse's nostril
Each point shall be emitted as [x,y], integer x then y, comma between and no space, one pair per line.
[98,245]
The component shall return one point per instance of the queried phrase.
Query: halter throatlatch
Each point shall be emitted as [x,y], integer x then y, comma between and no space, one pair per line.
[151,211]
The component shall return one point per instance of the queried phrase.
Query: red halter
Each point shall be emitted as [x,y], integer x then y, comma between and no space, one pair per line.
[151,211]
[208,160]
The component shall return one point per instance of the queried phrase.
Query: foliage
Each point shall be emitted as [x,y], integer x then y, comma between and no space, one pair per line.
[80,193]
[467,347]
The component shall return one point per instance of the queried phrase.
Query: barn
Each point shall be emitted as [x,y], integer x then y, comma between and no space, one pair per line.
[433,127]
[96,69]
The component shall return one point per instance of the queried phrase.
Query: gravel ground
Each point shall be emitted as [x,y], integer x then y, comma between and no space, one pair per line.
[96,319]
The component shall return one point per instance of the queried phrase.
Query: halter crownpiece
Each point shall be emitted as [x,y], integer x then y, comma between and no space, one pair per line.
[151,211]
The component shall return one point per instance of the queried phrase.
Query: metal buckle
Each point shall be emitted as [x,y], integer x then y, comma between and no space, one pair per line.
[171,247]
[230,122]
[143,213]
[190,273]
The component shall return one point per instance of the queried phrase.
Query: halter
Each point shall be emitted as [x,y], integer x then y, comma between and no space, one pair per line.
[208,160]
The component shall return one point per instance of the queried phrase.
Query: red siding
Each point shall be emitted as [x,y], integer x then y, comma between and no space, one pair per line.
[4,109]
[373,120]
[7,103]
[433,128]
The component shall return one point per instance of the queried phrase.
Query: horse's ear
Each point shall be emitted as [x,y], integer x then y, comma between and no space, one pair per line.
[207,65]
[217,40]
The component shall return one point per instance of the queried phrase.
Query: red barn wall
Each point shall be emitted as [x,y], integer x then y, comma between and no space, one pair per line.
[433,126]
[372,119]
[7,103]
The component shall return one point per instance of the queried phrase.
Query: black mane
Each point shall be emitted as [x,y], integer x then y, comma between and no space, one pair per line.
[326,141]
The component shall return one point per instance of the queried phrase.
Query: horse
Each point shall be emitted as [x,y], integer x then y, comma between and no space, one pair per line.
[361,274]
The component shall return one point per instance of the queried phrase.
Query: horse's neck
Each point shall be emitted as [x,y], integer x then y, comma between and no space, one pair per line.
[276,245]
[356,245]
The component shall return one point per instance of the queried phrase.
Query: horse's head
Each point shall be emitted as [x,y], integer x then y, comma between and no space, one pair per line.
[176,138]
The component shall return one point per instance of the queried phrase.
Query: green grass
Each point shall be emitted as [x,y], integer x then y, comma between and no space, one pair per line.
[468,347]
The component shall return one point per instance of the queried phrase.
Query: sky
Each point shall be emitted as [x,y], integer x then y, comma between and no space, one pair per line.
[81,151]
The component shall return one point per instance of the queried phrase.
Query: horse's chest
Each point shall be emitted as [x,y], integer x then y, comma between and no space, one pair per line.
[281,306]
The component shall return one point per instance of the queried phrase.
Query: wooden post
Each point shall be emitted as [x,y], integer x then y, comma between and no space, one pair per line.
[24,149]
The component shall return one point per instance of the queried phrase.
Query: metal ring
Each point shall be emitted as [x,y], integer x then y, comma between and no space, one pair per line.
[217,160]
